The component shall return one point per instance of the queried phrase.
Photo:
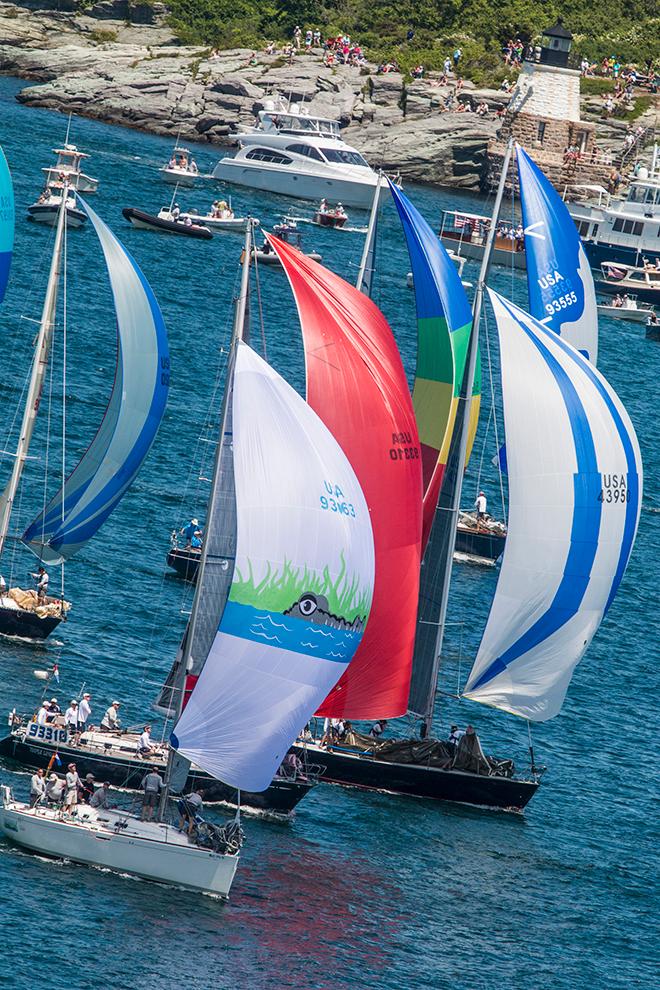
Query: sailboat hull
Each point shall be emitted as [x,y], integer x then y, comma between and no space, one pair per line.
[184,562]
[479,545]
[26,624]
[120,843]
[279,799]
[351,769]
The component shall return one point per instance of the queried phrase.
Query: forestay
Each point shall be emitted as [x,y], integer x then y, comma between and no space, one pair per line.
[6,223]
[131,420]
[357,385]
[301,590]
[561,287]
[444,320]
[575,483]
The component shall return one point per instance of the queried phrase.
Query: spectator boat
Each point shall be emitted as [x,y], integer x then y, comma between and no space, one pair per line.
[166,222]
[68,164]
[617,279]
[217,223]
[629,311]
[46,209]
[466,235]
[181,170]
[297,154]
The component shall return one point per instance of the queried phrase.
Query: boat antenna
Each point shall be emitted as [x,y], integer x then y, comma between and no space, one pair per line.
[461,433]
[39,366]
[176,189]
[368,263]
[68,128]
[238,334]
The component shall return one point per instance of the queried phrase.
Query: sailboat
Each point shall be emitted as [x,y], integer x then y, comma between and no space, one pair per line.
[577,463]
[275,622]
[108,467]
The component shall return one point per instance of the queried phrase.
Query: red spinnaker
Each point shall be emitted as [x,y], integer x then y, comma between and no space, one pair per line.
[357,385]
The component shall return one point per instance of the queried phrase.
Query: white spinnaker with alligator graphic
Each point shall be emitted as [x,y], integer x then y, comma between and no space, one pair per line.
[301,590]
[575,483]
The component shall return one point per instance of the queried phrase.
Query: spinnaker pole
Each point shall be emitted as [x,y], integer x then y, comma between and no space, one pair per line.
[38,374]
[452,499]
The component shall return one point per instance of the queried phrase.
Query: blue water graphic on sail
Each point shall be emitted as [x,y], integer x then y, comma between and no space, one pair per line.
[131,420]
[560,284]
[323,642]
[6,223]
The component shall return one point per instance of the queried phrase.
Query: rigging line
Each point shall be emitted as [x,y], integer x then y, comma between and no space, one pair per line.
[494,412]
[483,446]
[259,304]
[64,372]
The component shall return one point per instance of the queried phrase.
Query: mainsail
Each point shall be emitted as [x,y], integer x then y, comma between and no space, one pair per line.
[561,287]
[6,223]
[131,421]
[575,483]
[357,385]
[301,589]
[444,320]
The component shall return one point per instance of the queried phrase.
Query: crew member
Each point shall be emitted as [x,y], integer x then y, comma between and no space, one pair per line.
[73,782]
[84,711]
[87,788]
[152,784]
[71,720]
[110,721]
[145,747]
[53,710]
[54,789]
[37,788]
[42,714]
[190,807]
[101,796]
[41,577]
[189,531]
[378,728]
[481,505]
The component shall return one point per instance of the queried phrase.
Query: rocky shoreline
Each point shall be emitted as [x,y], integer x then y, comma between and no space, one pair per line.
[120,63]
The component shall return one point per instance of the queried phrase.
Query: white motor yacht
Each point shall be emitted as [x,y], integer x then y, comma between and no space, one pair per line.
[297,154]
[69,166]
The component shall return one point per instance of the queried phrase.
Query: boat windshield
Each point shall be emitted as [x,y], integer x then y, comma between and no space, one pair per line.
[642,193]
[343,157]
[292,123]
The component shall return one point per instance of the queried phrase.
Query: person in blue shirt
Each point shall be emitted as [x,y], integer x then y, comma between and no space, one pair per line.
[190,531]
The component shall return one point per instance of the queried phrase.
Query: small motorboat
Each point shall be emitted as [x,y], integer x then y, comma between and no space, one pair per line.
[47,207]
[221,217]
[620,280]
[288,232]
[181,170]
[166,222]
[625,308]
[328,216]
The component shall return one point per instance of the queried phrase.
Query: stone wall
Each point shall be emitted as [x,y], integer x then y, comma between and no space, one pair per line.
[548,91]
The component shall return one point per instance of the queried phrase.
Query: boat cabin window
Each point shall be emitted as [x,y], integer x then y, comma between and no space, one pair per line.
[344,157]
[628,226]
[268,155]
[305,149]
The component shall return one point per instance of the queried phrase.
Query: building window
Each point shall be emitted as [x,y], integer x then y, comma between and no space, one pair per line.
[540,133]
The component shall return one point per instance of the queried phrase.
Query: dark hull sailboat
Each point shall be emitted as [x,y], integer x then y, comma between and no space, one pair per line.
[27,624]
[185,561]
[355,768]
[127,770]
[479,544]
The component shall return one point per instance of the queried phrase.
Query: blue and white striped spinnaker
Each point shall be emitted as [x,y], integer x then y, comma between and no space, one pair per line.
[575,484]
[131,420]
[301,590]
[561,287]
[6,223]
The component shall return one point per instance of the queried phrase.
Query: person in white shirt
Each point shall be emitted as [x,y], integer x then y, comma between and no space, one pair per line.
[54,789]
[42,714]
[84,711]
[481,505]
[71,721]
[73,782]
[41,578]
[145,747]
[37,788]
[110,721]
[378,728]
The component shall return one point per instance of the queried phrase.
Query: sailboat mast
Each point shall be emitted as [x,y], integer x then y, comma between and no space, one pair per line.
[364,281]
[460,440]
[238,332]
[39,368]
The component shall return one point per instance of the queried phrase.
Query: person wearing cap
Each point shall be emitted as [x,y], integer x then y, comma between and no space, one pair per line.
[101,796]
[71,721]
[84,711]
[189,531]
[86,789]
[145,747]
[481,505]
[41,577]
[53,710]
[454,736]
[73,782]
[54,789]
[37,788]
[110,721]
[42,714]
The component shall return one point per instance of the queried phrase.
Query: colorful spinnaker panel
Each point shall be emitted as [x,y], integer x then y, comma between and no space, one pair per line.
[301,591]
[357,385]
[444,319]
[561,287]
[6,223]
[575,490]
[131,421]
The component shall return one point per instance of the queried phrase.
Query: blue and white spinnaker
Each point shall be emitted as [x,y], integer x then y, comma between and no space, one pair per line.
[6,223]
[131,421]
[575,483]
[561,287]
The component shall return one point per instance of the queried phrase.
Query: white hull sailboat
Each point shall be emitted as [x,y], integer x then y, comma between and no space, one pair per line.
[122,843]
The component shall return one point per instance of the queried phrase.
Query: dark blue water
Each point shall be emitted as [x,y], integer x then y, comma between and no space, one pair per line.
[359,890]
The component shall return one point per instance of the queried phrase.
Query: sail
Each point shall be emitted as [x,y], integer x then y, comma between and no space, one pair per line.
[561,287]
[444,320]
[6,223]
[133,415]
[357,385]
[301,589]
[575,482]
